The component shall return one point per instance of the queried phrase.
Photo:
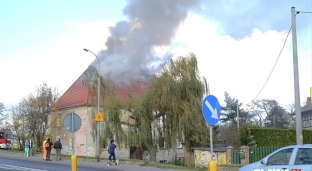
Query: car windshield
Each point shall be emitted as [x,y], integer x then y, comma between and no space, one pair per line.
[8,141]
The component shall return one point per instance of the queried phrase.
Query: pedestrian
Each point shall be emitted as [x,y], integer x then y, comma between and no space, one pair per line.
[111,153]
[48,146]
[44,151]
[58,148]
[26,153]
[30,147]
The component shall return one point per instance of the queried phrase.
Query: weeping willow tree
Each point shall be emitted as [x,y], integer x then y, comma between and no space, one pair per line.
[174,96]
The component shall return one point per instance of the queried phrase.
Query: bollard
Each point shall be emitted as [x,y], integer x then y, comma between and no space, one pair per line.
[212,166]
[73,163]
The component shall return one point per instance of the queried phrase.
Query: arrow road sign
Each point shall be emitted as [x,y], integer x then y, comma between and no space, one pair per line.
[211,109]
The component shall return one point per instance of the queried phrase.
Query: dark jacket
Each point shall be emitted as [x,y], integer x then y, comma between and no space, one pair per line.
[111,149]
[49,145]
[58,145]
[30,144]
[26,144]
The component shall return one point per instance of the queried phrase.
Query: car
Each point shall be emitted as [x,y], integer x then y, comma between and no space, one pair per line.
[289,158]
[8,146]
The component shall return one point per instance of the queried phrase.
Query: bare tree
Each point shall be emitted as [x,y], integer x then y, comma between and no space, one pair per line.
[3,116]
[256,109]
[275,114]
[19,125]
[291,112]
[35,107]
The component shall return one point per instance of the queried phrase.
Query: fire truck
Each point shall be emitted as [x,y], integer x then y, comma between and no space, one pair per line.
[3,140]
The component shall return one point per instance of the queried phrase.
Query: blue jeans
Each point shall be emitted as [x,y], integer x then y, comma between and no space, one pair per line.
[112,155]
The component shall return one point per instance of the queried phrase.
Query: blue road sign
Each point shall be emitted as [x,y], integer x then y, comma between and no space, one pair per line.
[211,109]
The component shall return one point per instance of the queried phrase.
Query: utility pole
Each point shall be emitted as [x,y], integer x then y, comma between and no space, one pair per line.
[237,111]
[296,79]
[98,106]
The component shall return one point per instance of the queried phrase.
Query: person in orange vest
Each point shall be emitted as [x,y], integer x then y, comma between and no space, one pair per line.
[44,151]
[48,146]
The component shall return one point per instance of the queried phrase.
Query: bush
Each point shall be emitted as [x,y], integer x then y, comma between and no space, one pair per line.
[274,136]
[243,133]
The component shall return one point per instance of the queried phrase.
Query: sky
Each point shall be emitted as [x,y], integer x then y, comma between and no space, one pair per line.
[236,42]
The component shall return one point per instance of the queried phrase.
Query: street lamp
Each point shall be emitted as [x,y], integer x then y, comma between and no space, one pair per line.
[98,123]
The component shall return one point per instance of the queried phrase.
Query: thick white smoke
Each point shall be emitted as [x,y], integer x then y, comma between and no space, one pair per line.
[130,48]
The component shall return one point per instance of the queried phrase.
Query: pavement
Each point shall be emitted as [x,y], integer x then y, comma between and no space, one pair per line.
[21,165]
[15,161]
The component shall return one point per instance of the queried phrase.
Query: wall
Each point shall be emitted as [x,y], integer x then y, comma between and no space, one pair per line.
[202,158]
[84,145]
[169,155]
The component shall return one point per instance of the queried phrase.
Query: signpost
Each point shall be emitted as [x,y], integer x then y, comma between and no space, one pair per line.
[211,112]
[99,117]
[72,123]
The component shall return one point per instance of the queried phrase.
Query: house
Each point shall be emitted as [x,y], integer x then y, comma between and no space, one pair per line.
[306,115]
[77,99]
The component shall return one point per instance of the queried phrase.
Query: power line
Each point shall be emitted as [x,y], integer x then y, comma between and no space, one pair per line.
[273,66]
[303,12]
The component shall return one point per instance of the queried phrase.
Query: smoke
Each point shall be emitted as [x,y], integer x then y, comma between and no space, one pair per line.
[130,53]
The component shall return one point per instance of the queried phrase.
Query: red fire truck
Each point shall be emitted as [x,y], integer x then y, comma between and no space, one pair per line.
[3,139]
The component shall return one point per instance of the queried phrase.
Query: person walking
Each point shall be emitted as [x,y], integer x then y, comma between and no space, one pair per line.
[58,148]
[111,153]
[48,146]
[30,147]
[26,153]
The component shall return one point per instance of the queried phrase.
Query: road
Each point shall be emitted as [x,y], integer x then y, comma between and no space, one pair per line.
[21,165]
[18,162]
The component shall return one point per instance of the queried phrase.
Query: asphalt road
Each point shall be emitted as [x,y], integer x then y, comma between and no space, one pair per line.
[21,165]
[18,162]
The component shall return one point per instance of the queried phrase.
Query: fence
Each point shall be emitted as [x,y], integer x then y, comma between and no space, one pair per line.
[258,153]
[251,155]
[235,157]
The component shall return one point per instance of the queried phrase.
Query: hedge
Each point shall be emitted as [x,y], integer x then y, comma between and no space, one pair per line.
[273,136]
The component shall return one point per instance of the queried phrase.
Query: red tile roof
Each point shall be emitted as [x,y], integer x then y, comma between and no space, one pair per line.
[78,93]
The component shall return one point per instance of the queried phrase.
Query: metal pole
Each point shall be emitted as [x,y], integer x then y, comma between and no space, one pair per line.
[98,124]
[73,133]
[296,80]
[211,144]
[237,110]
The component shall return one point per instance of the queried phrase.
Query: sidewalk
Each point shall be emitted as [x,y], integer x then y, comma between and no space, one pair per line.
[98,165]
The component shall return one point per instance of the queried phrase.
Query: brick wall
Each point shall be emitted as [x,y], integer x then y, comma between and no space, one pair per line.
[228,154]
[84,145]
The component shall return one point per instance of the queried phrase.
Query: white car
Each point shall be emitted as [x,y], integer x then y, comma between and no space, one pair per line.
[290,158]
